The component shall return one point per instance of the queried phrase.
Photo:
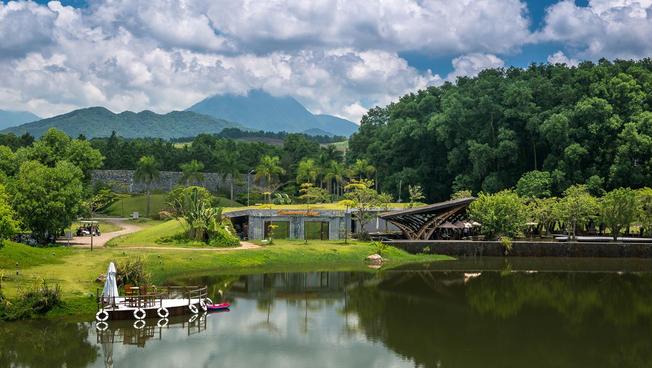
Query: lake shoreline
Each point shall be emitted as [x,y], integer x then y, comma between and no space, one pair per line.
[526,248]
[75,270]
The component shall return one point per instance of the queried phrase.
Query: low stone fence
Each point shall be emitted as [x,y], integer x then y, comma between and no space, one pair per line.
[457,248]
[122,181]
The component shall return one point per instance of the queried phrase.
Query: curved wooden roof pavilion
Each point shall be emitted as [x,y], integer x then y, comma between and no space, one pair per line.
[421,222]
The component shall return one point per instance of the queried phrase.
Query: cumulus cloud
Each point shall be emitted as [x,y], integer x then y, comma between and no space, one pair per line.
[560,58]
[472,64]
[24,26]
[336,57]
[604,28]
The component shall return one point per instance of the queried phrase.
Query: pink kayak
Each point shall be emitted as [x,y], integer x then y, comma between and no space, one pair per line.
[218,307]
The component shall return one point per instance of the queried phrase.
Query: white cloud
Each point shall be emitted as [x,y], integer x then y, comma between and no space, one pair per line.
[336,57]
[438,26]
[605,28]
[24,26]
[472,64]
[560,58]
[168,55]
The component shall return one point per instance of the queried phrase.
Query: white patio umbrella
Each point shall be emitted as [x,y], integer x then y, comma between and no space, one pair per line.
[110,285]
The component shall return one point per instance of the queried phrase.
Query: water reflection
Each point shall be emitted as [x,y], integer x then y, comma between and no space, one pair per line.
[138,333]
[491,317]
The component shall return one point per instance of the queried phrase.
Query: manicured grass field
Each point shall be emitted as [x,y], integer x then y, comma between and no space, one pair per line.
[125,206]
[152,231]
[76,269]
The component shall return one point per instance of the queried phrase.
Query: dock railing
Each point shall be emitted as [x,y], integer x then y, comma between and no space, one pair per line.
[149,297]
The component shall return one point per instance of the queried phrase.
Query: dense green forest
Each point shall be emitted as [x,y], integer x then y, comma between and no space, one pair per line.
[586,124]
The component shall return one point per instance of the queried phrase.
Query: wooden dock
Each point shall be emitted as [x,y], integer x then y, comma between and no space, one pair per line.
[159,302]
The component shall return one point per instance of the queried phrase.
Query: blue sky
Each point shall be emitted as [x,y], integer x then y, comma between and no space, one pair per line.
[336,57]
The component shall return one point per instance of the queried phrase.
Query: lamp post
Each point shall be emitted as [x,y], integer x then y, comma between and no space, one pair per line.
[248,184]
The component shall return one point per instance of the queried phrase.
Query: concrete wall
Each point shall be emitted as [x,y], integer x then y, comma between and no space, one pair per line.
[297,226]
[527,248]
[337,221]
[122,181]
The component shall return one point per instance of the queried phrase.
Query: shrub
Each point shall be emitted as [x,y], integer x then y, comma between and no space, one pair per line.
[223,237]
[506,242]
[501,214]
[37,300]
[132,271]
[378,247]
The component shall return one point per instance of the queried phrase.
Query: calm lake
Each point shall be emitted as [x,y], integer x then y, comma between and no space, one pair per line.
[469,313]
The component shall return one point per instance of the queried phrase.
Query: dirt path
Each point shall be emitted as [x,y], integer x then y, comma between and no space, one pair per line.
[243,245]
[100,241]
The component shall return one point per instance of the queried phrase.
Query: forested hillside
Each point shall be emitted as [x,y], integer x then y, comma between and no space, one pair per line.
[99,122]
[586,124]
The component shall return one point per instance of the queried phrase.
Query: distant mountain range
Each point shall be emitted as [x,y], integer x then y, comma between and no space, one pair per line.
[13,118]
[100,122]
[259,110]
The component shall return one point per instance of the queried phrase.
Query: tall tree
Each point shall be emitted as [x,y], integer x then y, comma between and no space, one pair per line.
[192,172]
[501,214]
[147,172]
[364,198]
[8,219]
[269,169]
[230,165]
[645,210]
[307,171]
[619,208]
[335,173]
[47,199]
[362,169]
[577,207]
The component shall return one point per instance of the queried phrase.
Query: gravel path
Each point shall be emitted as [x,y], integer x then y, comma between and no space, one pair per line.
[100,241]
[128,228]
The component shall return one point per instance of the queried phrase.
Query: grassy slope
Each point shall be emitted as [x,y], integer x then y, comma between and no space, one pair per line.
[139,203]
[76,269]
[136,203]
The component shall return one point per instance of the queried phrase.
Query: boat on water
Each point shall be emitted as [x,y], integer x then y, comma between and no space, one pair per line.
[140,302]
[222,307]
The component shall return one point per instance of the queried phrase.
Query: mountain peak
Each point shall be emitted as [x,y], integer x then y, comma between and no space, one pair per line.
[10,118]
[100,122]
[260,110]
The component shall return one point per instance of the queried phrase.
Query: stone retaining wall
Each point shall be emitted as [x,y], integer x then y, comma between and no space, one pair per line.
[527,248]
[122,181]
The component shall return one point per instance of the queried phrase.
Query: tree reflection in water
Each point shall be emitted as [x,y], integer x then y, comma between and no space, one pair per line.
[510,319]
[36,343]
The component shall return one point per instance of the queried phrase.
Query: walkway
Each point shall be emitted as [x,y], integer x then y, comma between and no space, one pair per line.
[100,241]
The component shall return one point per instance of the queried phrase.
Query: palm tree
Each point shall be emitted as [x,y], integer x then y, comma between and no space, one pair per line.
[147,172]
[230,166]
[307,171]
[192,172]
[362,168]
[269,169]
[335,172]
[323,161]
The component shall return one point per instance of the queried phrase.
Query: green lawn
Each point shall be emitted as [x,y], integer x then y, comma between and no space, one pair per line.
[125,206]
[148,236]
[76,269]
